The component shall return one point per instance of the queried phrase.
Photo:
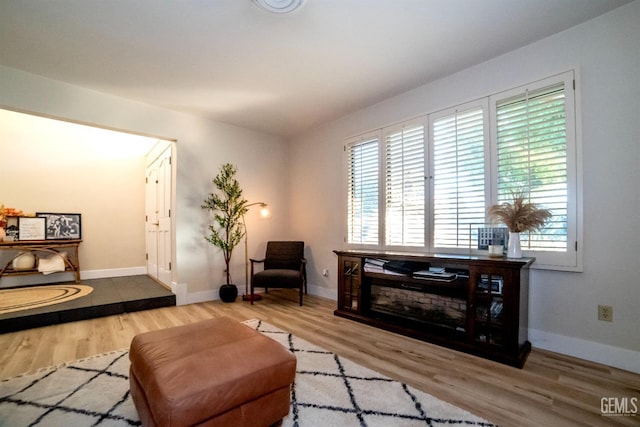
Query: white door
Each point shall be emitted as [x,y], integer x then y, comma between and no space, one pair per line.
[151,220]
[158,218]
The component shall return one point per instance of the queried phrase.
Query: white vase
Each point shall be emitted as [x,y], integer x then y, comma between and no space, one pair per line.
[513,248]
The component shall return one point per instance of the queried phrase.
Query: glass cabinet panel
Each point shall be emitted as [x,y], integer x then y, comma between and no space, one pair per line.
[489,308]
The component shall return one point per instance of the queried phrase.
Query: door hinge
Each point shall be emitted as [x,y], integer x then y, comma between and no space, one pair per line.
[169,266]
[576,246]
[146,256]
[574,84]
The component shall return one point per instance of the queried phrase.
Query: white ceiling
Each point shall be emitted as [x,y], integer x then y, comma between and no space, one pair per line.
[283,74]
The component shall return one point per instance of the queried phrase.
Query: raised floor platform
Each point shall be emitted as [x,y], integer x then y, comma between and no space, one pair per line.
[110,296]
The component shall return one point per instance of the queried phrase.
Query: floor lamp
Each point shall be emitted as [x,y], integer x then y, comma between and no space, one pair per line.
[264,213]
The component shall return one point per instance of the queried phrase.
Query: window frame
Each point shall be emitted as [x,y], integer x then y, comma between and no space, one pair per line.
[571,260]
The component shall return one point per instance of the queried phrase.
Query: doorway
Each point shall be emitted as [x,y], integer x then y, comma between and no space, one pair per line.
[52,165]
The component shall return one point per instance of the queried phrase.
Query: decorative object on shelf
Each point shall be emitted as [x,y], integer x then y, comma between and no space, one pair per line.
[496,250]
[519,216]
[53,263]
[497,237]
[11,229]
[6,215]
[264,213]
[228,206]
[62,226]
[24,261]
[30,228]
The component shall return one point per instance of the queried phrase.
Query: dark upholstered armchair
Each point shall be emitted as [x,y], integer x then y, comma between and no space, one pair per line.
[284,267]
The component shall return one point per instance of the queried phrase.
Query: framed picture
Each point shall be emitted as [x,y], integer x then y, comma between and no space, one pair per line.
[30,228]
[12,229]
[62,226]
[492,236]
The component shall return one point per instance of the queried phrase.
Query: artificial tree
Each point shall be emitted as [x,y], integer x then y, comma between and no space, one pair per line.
[228,206]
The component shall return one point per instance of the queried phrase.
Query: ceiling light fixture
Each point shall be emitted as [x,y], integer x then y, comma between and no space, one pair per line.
[279,6]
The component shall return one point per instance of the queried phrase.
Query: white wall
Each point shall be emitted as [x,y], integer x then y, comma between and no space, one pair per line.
[563,306]
[202,147]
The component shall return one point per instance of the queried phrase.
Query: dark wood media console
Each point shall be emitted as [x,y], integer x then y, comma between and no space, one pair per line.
[475,304]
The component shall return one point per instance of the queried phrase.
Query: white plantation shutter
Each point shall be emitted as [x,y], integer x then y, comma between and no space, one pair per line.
[362,191]
[532,157]
[476,154]
[459,176]
[404,186]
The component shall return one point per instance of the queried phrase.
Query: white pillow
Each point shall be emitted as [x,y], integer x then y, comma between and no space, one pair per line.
[52,264]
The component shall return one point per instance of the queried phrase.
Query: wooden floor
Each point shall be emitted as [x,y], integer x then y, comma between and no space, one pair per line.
[551,390]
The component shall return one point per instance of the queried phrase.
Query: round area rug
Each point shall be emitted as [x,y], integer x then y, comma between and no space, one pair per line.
[39,296]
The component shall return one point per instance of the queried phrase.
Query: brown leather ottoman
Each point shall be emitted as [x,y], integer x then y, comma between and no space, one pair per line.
[212,373]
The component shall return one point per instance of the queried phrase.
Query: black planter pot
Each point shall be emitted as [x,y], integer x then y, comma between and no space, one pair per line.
[228,293]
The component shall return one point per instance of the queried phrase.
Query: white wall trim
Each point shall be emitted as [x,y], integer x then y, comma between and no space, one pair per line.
[113,272]
[322,291]
[617,357]
[196,297]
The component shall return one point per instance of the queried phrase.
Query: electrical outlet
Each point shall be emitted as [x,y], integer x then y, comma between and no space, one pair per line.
[605,312]
[325,272]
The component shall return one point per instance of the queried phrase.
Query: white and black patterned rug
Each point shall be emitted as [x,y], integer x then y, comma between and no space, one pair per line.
[328,391]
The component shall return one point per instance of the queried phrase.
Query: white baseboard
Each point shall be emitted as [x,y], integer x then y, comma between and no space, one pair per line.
[617,357]
[112,272]
[323,292]
[203,296]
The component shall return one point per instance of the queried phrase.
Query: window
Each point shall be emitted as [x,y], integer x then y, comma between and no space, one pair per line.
[534,151]
[362,197]
[476,154]
[404,185]
[459,175]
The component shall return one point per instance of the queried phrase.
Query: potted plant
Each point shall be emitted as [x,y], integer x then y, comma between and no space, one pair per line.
[228,207]
[519,216]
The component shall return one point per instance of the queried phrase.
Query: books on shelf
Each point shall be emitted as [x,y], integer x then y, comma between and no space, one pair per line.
[496,284]
[435,273]
[412,269]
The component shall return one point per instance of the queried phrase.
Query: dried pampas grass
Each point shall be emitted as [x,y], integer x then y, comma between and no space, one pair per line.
[519,216]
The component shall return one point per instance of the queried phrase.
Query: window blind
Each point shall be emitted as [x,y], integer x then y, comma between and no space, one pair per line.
[458,177]
[362,194]
[404,186]
[532,157]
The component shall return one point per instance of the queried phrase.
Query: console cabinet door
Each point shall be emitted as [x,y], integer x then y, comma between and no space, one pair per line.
[493,308]
[350,281]
[487,308]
